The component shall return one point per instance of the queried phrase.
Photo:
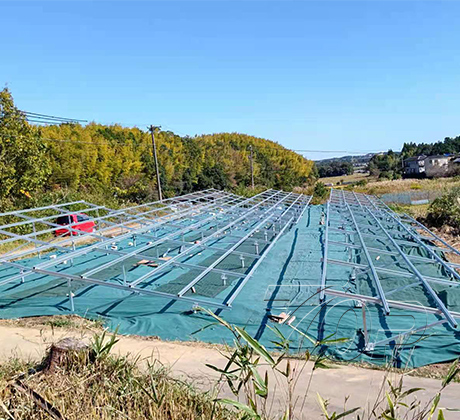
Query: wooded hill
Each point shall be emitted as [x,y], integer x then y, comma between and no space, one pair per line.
[390,164]
[450,145]
[118,162]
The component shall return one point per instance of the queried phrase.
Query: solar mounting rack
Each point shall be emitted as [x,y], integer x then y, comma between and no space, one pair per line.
[367,229]
[201,248]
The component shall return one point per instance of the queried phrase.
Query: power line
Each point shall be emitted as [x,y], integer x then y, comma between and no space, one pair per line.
[257,147]
[38,116]
[48,122]
[35,118]
[51,119]
[335,151]
[59,140]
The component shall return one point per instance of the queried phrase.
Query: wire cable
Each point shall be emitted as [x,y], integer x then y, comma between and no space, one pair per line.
[111,144]
[51,117]
[37,118]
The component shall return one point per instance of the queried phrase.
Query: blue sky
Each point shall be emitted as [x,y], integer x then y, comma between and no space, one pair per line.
[358,76]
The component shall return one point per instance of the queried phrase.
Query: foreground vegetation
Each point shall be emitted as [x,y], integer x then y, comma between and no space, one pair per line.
[246,370]
[98,385]
[93,383]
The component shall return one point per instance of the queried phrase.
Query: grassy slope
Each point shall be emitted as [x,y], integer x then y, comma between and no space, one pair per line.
[336,180]
[403,185]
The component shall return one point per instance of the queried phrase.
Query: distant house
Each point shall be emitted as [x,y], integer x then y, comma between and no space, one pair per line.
[429,166]
[438,165]
[414,166]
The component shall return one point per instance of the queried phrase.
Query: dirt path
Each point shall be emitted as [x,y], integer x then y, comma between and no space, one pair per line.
[187,360]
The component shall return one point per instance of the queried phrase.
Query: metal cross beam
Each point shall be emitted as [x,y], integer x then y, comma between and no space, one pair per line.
[438,301]
[363,217]
[215,234]
[391,272]
[325,253]
[375,276]
[163,239]
[111,213]
[161,221]
[106,243]
[253,214]
[433,236]
[234,247]
[234,294]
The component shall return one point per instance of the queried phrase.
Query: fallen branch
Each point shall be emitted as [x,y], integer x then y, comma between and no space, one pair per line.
[37,398]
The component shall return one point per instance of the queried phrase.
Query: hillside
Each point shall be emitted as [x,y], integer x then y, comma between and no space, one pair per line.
[116,162]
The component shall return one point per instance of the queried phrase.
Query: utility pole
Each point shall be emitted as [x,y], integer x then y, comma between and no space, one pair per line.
[251,157]
[152,129]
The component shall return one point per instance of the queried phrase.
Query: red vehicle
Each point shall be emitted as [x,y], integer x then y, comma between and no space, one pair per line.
[77,221]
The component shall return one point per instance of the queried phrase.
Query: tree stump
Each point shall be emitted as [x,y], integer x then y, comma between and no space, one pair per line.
[65,353]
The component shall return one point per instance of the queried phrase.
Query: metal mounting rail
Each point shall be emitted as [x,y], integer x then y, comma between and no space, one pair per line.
[375,276]
[225,224]
[148,246]
[73,253]
[362,218]
[325,254]
[235,246]
[196,246]
[126,220]
[417,273]
[234,294]
[434,236]
[124,224]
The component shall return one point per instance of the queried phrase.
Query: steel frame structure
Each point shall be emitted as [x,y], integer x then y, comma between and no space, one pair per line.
[361,218]
[170,234]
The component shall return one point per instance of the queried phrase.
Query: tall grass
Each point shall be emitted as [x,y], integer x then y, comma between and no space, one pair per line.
[403,185]
[110,387]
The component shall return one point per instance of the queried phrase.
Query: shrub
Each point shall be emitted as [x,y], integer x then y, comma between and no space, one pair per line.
[320,190]
[445,210]
[386,175]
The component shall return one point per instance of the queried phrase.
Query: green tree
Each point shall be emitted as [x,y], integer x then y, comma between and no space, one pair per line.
[24,165]
[386,165]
